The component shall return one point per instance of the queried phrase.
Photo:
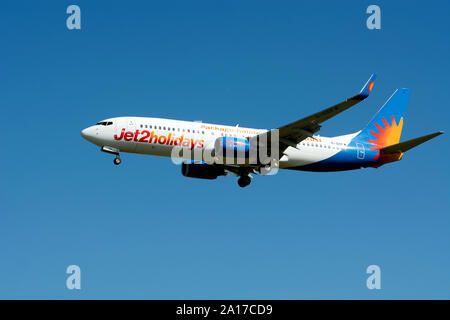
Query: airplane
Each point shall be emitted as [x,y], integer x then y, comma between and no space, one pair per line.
[297,145]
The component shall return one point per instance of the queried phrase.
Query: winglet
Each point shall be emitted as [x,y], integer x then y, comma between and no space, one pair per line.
[365,91]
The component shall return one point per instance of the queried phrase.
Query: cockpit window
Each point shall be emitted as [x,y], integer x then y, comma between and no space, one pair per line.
[104,123]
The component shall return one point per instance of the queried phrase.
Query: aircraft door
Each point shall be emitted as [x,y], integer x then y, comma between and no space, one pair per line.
[131,127]
[360,152]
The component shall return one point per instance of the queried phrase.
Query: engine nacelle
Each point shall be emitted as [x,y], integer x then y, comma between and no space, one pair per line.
[201,170]
[232,150]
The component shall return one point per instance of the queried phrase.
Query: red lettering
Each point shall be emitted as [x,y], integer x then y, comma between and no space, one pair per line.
[185,143]
[178,141]
[136,135]
[153,136]
[121,135]
[146,134]
[162,140]
[128,136]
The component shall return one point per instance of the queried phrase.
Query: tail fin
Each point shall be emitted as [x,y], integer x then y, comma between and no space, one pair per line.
[386,126]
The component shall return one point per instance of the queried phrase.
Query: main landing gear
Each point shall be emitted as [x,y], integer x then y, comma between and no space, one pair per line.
[114,151]
[244,181]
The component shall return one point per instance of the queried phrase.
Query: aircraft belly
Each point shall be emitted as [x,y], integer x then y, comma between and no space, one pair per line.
[154,149]
[299,157]
[126,146]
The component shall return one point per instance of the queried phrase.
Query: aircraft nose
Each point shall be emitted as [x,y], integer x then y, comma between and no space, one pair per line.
[88,133]
[84,133]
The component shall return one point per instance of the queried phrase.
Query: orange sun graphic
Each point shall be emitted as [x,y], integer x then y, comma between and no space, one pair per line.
[388,135]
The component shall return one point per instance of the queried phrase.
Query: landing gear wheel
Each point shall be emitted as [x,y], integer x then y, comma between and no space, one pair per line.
[244,181]
[117,161]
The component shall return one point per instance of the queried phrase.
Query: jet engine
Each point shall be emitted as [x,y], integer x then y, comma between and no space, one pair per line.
[232,150]
[201,170]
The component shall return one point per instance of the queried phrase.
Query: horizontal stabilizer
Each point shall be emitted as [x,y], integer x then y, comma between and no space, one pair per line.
[406,145]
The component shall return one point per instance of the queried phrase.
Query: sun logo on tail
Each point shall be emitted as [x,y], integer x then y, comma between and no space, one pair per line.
[388,135]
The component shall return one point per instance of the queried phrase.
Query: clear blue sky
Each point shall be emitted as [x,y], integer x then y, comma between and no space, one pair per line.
[142,230]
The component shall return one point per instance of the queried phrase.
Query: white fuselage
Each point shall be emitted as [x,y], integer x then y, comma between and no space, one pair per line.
[156,136]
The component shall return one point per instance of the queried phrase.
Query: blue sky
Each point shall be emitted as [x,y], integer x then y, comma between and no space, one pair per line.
[142,230]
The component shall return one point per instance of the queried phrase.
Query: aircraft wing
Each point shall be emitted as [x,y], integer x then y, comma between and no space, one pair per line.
[293,133]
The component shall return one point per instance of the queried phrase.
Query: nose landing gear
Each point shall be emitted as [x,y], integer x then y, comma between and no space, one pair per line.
[117,160]
[114,151]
